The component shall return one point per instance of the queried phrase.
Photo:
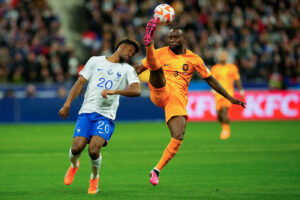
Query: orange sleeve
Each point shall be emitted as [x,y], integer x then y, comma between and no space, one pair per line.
[203,71]
[237,74]
[213,71]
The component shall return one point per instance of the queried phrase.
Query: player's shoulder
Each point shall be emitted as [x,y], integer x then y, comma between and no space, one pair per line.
[193,56]
[162,49]
[232,66]
[96,58]
[127,66]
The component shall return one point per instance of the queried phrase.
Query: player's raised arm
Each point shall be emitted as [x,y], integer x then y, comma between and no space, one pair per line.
[212,82]
[132,90]
[75,91]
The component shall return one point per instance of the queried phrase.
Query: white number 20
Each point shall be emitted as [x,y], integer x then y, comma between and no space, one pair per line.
[100,127]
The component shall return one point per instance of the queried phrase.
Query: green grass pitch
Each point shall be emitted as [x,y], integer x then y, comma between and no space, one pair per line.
[260,161]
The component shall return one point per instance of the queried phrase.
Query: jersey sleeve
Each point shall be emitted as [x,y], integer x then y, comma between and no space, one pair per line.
[236,73]
[203,71]
[213,70]
[87,70]
[131,75]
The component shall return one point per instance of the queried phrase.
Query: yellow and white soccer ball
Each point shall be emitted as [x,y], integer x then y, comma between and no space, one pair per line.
[164,14]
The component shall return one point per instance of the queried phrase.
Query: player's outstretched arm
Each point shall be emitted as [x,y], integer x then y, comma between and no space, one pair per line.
[76,89]
[132,90]
[212,82]
[140,69]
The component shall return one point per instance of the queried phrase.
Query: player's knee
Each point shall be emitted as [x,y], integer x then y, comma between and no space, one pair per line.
[76,150]
[94,153]
[219,118]
[178,136]
[226,120]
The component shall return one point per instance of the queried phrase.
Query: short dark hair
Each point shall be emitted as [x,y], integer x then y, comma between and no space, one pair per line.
[131,42]
[177,28]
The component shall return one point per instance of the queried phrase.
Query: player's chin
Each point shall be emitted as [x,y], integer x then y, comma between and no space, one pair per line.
[173,46]
[126,59]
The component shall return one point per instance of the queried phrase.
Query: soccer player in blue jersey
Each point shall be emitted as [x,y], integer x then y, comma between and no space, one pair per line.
[108,78]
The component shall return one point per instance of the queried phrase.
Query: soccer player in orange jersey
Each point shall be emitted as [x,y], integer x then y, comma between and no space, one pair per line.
[227,74]
[171,70]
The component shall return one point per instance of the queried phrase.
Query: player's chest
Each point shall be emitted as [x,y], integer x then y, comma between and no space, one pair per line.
[107,77]
[225,73]
[177,65]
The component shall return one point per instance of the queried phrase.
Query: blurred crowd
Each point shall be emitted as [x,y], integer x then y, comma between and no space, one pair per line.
[261,37]
[31,46]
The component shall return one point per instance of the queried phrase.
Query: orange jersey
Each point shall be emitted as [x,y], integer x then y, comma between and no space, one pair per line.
[178,69]
[226,75]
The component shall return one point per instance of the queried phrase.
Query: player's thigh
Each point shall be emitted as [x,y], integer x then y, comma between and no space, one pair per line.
[83,126]
[96,143]
[157,78]
[176,106]
[78,144]
[102,127]
[224,112]
[177,125]
[159,96]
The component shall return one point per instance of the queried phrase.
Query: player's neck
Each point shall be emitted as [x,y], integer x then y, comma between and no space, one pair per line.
[113,58]
[180,51]
[223,63]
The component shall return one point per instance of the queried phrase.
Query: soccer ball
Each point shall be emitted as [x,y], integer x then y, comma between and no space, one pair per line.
[164,14]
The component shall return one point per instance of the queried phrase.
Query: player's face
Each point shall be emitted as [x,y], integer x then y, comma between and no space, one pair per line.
[176,39]
[126,52]
[223,56]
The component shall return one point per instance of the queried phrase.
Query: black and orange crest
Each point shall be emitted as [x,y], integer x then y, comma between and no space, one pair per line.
[185,67]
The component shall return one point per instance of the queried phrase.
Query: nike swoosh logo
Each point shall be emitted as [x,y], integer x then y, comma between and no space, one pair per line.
[167,64]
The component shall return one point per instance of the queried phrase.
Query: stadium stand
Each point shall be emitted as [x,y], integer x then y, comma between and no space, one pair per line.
[262,37]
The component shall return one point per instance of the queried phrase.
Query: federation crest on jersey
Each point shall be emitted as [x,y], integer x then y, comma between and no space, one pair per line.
[185,67]
[110,72]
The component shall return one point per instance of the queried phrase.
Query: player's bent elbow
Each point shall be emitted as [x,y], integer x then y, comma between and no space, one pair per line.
[138,92]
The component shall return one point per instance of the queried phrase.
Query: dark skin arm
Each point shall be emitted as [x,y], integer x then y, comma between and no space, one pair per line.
[75,91]
[132,90]
[212,82]
[140,69]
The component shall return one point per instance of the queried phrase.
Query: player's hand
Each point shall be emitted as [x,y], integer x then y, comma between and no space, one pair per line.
[105,92]
[64,112]
[237,102]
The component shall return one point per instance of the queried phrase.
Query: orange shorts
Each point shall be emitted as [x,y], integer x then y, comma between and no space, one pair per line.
[222,102]
[173,104]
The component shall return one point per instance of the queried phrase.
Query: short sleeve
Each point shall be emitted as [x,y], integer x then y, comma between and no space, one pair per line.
[87,70]
[132,76]
[236,73]
[213,70]
[203,71]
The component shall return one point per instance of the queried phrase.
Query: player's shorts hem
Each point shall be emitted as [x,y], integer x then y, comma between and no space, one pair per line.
[170,117]
[159,96]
